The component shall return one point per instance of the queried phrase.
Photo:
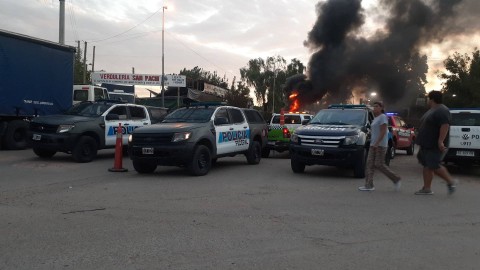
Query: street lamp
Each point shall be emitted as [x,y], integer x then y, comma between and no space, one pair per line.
[163,55]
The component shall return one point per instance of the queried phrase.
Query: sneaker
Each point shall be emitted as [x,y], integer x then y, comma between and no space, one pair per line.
[424,192]
[452,187]
[365,188]
[397,185]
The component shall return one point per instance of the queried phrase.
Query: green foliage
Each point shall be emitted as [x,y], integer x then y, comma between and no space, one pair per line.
[462,80]
[239,95]
[268,77]
[79,69]
[196,74]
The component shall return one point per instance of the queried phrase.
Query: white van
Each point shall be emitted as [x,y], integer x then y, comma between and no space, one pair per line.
[464,137]
[88,93]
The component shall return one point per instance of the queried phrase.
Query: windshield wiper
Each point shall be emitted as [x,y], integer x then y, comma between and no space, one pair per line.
[336,123]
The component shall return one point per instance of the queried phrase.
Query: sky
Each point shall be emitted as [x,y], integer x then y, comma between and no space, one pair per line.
[217,36]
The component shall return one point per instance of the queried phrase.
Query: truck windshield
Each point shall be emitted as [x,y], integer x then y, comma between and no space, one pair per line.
[191,115]
[88,109]
[339,117]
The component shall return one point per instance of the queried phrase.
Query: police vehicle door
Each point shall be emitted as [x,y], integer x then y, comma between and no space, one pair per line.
[138,117]
[241,130]
[111,126]
[222,130]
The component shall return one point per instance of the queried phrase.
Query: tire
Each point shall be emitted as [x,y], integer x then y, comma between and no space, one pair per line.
[15,137]
[359,167]
[297,166]
[254,154]
[411,149]
[201,161]
[265,152]
[85,149]
[392,150]
[44,153]
[144,167]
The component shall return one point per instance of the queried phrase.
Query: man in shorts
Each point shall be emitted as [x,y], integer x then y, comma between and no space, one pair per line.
[433,140]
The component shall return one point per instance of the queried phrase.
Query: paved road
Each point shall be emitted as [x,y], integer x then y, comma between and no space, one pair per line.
[58,214]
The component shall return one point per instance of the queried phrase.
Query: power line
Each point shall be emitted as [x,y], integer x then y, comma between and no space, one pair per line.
[114,36]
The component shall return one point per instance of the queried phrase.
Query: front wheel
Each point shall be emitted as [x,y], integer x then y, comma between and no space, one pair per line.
[297,166]
[254,154]
[411,149]
[201,161]
[85,150]
[144,167]
[44,153]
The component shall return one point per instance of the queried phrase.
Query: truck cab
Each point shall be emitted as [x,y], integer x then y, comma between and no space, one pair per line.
[89,93]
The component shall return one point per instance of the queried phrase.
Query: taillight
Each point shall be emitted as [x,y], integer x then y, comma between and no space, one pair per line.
[286,133]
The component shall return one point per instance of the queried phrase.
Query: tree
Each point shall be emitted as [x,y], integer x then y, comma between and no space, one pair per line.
[79,69]
[267,77]
[239,95]
[462,80]
[197,74]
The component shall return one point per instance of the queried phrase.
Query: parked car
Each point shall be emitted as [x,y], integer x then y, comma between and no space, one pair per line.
[402,135]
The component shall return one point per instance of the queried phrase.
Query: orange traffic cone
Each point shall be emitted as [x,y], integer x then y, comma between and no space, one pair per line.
[117,165]
[282,117]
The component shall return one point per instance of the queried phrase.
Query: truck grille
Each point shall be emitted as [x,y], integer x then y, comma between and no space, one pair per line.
[324,141]
[43,128]
[152,139]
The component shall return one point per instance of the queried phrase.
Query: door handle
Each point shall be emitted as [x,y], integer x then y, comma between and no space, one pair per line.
[126,124]
[231,128]
[465,129]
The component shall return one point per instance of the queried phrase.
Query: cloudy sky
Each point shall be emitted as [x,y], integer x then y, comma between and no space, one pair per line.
[216,35]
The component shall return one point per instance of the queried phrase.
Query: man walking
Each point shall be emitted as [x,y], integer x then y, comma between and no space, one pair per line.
[433,140]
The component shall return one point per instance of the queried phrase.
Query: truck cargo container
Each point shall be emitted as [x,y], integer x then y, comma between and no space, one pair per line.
[36,78]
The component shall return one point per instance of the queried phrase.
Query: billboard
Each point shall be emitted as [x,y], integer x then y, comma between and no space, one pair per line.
[139,79]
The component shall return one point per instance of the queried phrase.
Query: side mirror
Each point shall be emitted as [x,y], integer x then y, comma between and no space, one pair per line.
[111,117]
[409,126]
[220,121]
[304,122]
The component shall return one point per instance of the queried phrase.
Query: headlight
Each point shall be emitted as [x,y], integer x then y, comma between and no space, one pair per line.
[181,136]
[349,140]
[130,138]
[65,128]
[294,138]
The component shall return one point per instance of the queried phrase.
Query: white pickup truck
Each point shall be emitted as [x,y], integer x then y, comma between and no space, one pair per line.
[88,127]
[464,137]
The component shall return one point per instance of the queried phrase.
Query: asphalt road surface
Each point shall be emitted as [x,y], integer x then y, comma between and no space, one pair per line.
[58,214]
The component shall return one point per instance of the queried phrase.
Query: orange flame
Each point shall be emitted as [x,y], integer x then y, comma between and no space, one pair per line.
[294,103]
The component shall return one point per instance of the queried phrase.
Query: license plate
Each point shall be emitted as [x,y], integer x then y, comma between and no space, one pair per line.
[317,152]
[36,137]
[147,151]
[466,153]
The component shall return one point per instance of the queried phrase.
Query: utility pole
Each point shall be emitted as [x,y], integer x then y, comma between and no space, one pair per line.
[61,34]
[93,60]
[163,55]
[85,64]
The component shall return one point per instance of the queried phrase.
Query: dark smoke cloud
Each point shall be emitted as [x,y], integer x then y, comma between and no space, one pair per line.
[343,60]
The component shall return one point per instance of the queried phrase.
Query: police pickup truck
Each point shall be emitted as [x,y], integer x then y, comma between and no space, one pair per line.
[464,137]
[195,136]
[337,136]
[89,126]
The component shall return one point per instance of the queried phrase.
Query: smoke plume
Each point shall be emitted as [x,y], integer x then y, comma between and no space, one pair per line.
[387,62]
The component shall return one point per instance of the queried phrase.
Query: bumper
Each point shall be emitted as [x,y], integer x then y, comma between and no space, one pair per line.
[57,142]
[344,157]
[167,155]
[279,146]
[457,155]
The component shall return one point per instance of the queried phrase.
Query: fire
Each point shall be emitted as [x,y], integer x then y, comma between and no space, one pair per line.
[294,103]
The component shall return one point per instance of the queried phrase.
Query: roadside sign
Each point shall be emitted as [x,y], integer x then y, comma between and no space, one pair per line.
[139,79]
